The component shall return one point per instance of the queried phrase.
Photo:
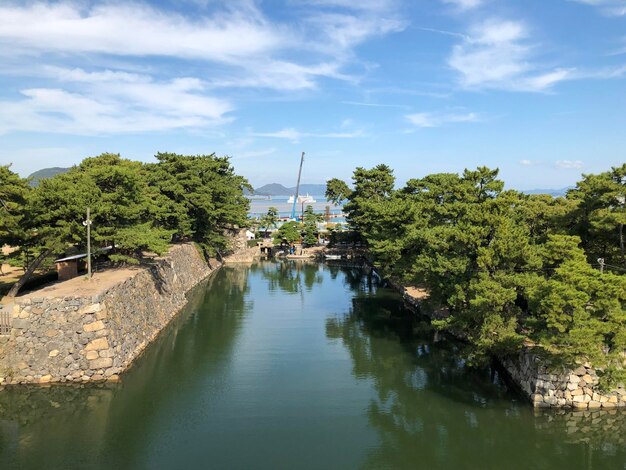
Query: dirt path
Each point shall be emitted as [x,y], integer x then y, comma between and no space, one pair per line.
[81,286]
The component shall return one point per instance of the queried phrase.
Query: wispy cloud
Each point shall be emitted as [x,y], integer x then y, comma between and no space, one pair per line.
[135,30]
[295,135]
[496,54]
[526,162]
[465,4]
[234,43]
[426,120]
[374,105]
[569,164]
[366,5]
[608,7]
[112,103]
[255,153]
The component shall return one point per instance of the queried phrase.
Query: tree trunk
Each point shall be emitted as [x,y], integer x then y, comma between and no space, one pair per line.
[32,267]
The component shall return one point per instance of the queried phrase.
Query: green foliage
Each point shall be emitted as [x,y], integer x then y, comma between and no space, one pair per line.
[508,267]
[269,220]
[14,193]
[310,219]
[199,197]
[289,232]
[601,214]
[135,207]
[337,191]
[121,203]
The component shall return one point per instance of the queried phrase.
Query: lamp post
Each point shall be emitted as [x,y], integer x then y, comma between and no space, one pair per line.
[87,223]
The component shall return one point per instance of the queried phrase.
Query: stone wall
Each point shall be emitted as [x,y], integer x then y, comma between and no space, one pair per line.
[545,387]
[95,338]
[560,387]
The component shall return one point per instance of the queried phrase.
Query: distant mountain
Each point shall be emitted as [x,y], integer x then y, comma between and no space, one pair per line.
[273,189]
[45,173]
[276,189]
[550,192]
[312,189]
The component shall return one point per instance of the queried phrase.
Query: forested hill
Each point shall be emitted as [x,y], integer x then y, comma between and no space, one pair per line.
[45,173]
[551,192]
[276,189]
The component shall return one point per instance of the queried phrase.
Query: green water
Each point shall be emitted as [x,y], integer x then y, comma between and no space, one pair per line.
[290,366]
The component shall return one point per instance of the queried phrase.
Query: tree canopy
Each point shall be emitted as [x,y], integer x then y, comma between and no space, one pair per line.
[135,207]
[509,268]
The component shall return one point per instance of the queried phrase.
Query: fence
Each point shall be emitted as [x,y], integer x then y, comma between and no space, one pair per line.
[5,322]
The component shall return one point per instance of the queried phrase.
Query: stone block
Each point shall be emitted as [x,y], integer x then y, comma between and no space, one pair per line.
[580,371]
[90,309]
[91,355]
[51,333]
[94,326]
[97,344]
[107,353]
[574,379]
[101,363]
[20,323]
[537,398]
[45,379]
[594,405]
[53,353]
[577,392]
[102,315]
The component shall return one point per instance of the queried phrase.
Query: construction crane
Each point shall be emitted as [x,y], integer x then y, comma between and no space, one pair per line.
[295,199]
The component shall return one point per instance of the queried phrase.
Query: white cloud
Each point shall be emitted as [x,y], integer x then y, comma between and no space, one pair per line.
[233,44]
[239,37]
[113,103]
[425,120]
[464,4]
[526,162]
[496,54]
[569,164]
[608,7]
[135,30]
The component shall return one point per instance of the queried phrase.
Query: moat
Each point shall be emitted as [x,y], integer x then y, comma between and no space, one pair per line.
[296,365]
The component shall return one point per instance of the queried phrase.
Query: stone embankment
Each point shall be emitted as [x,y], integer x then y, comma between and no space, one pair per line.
[560,387]
[546,387]
[95,337]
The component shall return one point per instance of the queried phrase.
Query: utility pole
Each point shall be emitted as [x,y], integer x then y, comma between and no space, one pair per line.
[87,223]
[601,263]
[295,198]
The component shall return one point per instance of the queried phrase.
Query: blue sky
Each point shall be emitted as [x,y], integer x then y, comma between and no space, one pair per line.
[536,88]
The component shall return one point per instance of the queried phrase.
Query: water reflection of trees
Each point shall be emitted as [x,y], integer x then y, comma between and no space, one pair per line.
[106,423]
[431,411]
[290,276]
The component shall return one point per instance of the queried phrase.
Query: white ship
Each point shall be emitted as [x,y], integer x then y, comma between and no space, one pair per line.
[302,199]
